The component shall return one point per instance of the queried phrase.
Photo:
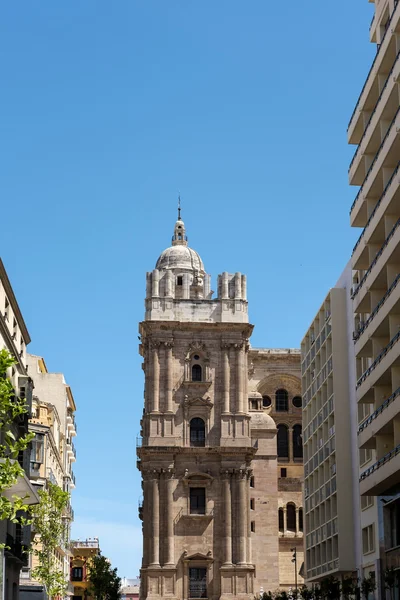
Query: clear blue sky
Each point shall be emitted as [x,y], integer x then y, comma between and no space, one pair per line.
[108,109]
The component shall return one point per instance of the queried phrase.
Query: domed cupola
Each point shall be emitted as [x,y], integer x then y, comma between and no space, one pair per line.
[179,257]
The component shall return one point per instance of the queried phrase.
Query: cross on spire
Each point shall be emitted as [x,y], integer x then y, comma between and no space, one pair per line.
[179,207]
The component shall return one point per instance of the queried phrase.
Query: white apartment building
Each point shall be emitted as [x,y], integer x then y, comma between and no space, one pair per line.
[374,127]
[329,438]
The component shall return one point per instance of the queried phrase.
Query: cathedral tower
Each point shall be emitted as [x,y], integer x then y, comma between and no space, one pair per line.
[203,446]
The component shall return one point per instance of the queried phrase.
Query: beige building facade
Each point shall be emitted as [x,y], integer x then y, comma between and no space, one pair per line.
[52,455]
[214,490]
[374,127]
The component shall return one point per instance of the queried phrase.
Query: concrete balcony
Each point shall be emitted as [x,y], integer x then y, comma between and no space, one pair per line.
[71,425]
[382,476]
[388,203]
[379,372]
[378,321]
[385,109]
[71,451]
[380,422]
[382,64]
[375,277]
[373,185]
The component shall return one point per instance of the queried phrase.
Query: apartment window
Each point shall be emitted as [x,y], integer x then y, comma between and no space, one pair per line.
[291,517]
[368,539]
[196,373]
[197,432]
[365,456]
[253,526]
[284,472]
[300,519]
[197,501]
[6,308]
[252,481]
[392,521]
[281,401]
[77,574]
[266,401]
[366,502]
[283,441]
[197,582]
[297,442]
[252,504]
[37,448]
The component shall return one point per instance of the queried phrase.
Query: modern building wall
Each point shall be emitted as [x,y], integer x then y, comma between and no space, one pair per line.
[329,437]
[374,128]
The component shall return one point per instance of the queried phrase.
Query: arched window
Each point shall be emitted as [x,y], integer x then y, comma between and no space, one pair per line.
[297,442]
[283,442]
[280,519]
[300,519]
[291,517]
[197,432]
[281,401]
[266,401]
[196,373]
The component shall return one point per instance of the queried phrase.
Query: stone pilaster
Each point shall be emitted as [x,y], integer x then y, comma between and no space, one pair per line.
[227,518]
[241,477]
[239,378]
[168,379]
[156,376]
[170,549]
[155,519]
[226,378]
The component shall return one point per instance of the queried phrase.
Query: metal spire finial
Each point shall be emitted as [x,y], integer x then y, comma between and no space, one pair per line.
[179,207]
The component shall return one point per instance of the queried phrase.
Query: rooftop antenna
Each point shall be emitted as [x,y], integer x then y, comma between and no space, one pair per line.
[179,207]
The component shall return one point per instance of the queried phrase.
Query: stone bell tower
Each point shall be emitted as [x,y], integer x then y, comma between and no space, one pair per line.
[198,454]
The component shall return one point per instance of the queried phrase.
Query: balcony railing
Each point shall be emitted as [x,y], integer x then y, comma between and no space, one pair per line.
[374,111]
[385,243]
[377,205]
[85,543]
[375,159]
[373,64]
[380,463]
[377,308]
[376,362]
[378,411]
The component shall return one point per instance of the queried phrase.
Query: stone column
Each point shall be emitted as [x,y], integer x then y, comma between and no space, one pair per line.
[169,482]
[227,515]
[146,519]
[290,444]
[239,378]
[156,378]
[155,521]
[225,377]
[168,391]
[284,520]
[242,516]
[297,521]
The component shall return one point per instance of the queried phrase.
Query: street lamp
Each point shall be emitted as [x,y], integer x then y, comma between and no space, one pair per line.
[294,560]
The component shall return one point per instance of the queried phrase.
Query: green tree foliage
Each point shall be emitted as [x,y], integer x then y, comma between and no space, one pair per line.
[104,581]
[11,408]
[49,525]
[368,585]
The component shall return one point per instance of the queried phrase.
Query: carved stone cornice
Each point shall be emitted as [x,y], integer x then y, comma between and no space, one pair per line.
[150,474]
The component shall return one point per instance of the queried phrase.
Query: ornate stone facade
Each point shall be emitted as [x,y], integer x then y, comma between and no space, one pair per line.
[211,477]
